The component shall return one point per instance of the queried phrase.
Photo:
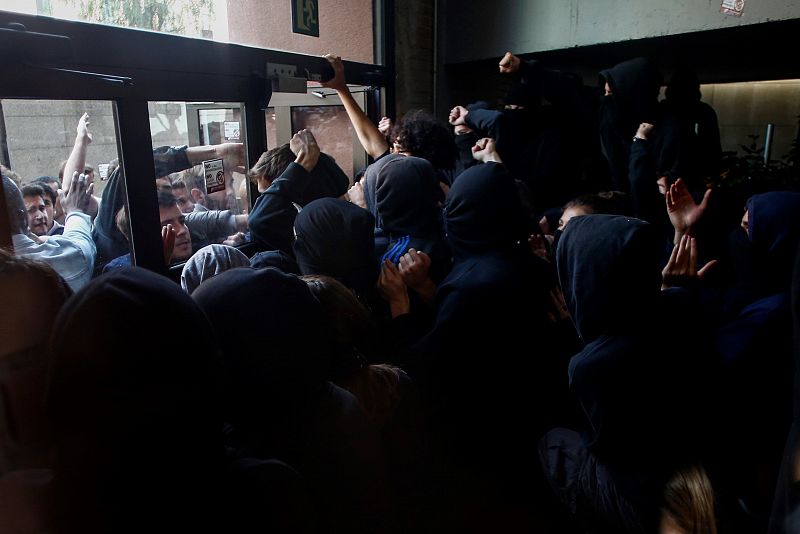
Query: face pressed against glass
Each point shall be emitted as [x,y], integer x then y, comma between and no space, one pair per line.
[183,241]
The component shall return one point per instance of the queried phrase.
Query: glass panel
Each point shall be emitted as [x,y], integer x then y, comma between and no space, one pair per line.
[42,137]
[272,129]
[262,23]
[199,151]
[331,128]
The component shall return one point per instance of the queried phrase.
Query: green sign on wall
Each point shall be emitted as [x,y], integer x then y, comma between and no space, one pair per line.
[305,17]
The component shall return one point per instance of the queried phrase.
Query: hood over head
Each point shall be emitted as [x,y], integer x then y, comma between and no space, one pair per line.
[482,212]
[609,267]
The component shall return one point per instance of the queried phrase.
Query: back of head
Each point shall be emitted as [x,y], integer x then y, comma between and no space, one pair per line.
[208,262]
[408,195]
[336,238]
[288,359]
[606,202]
[17,215]
[482,212]
[272,163]
[33,293]
[275,258]
[351,321]
[133,407]
[610,272]
[424,136]
[688,503]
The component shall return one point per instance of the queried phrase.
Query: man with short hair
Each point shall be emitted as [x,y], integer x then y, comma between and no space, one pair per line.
[52,185]
[33,196]
[170,215]
[184,197]
[50,198]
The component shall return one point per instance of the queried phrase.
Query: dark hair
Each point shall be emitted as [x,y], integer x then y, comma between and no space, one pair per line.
[166,200]
[17,215]
[424,136]
[43,181]
[607,202]
[34,190]
[272,163]
[46,180]
[178,183]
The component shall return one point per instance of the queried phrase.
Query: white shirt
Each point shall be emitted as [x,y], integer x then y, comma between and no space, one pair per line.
[71,255]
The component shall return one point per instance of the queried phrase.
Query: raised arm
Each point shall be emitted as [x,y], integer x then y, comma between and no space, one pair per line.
[370,137]
[76,162]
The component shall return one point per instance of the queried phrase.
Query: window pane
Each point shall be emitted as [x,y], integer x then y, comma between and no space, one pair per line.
[262,23]
[272,129]
[40,136]
[199,152]
[331,128]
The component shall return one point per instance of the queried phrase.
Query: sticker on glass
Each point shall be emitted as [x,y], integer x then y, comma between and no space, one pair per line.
[215,175]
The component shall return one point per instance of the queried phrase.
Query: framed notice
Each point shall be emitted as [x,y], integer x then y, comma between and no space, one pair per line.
[305,17]
[231,131]
[215,175]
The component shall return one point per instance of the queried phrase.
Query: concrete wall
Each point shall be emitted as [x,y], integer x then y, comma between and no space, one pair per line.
[41,134]
[345,28]
[745,109]
[478,30]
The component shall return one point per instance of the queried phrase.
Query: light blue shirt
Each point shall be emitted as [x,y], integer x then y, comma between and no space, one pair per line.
[71,255]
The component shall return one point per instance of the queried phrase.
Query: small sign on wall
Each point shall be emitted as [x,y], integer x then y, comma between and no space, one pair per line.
[732,7]
[305,17]
[231,131]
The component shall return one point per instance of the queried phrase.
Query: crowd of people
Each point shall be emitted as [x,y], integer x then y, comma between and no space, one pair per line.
[529,319]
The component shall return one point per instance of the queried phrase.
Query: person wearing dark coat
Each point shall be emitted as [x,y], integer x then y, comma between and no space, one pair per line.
[625,380]
[403,194]
[279,404]
[133,405]
[698,125]
[754,351]
[785,517]
[473,370]
[336,238]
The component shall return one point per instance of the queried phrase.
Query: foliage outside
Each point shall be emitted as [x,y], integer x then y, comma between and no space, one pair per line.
[169,16]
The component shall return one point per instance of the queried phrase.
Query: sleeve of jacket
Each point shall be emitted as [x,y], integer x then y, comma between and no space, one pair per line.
[211,223]
[272,218]
[647,202]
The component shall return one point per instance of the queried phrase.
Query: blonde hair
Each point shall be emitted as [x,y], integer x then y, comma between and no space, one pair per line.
[689,501]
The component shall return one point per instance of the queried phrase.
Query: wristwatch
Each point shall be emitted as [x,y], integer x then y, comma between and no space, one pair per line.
[637,138]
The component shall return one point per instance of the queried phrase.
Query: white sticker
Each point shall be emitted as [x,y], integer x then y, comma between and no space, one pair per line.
[215,175]
[103,169]
[231,130]
[732,7]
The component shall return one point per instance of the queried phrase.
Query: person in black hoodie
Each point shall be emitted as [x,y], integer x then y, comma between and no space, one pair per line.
[403,195]
[634,392]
